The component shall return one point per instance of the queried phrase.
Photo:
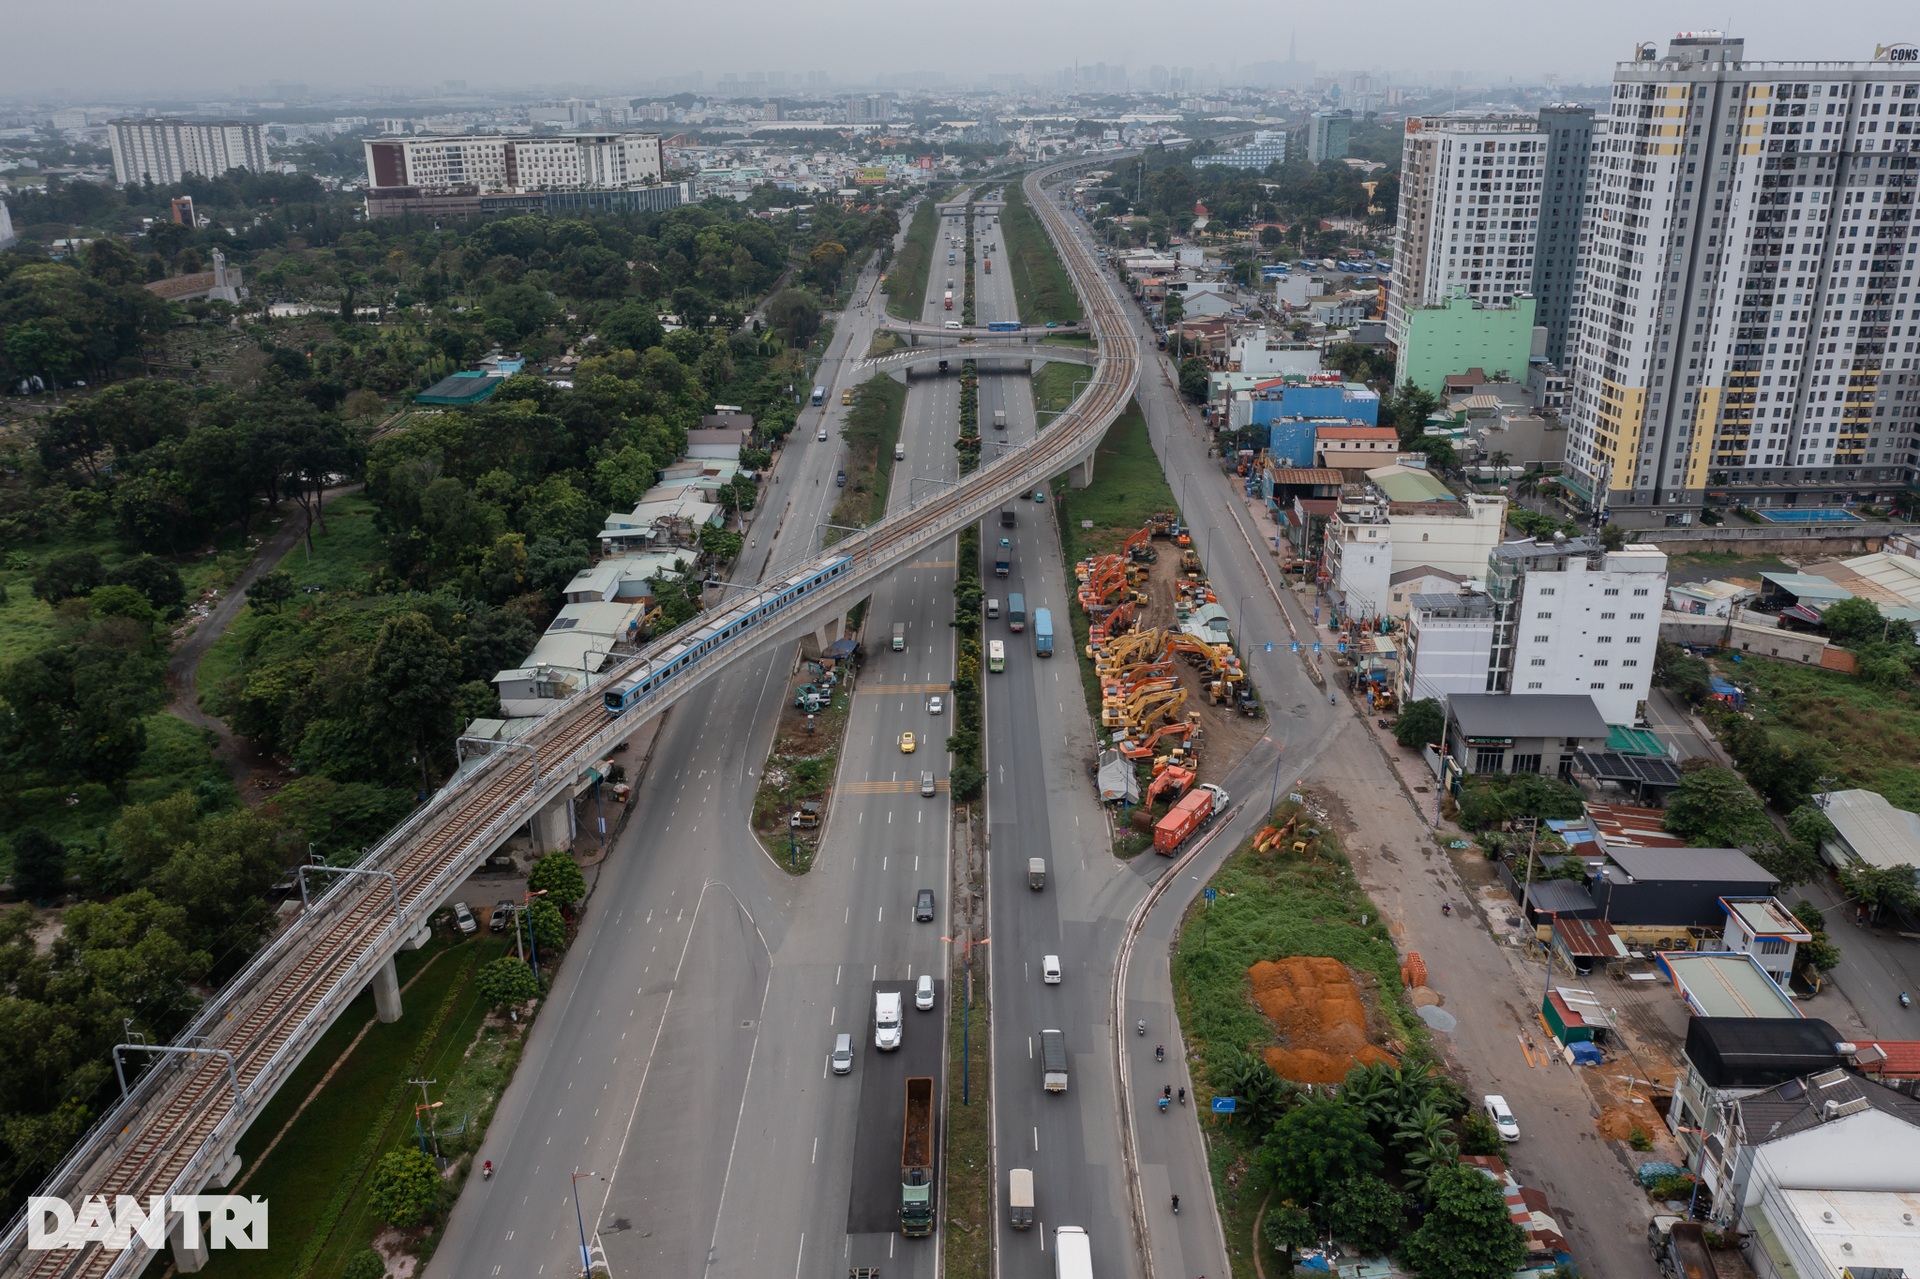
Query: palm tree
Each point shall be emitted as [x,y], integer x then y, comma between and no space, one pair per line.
[1429,1158]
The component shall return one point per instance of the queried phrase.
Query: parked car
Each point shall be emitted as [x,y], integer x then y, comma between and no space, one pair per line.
[1503,1121]
[463,919]
[923,907]
[502,917]
[923,993]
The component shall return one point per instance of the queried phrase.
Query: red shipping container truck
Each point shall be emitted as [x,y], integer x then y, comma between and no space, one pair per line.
[1195,812]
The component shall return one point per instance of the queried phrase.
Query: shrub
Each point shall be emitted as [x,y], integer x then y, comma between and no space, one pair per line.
[404,1187]
[507,980]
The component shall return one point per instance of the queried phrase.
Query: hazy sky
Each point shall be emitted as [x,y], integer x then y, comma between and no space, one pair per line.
[122,48]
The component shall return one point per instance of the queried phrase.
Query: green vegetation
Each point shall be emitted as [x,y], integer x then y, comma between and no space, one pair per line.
[1810,723]
[872,429]
[1041,288]
[907,276]
[965,742]
[968,1210]
[1054,390]
[800,769]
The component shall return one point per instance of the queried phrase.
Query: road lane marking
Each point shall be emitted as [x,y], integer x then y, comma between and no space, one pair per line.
[880,914]
[1036,1140]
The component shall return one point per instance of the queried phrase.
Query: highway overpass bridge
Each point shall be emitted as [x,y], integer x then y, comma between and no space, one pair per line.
[177,1129]
[947,359]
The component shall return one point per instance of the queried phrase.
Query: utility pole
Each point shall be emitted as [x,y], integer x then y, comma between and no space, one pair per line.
[433,1128]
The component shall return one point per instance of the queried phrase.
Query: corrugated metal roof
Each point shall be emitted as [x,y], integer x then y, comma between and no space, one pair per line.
[1873,830]
[1726,985]
[1306,475]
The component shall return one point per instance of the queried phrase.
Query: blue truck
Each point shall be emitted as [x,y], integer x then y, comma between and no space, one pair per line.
[1043,632]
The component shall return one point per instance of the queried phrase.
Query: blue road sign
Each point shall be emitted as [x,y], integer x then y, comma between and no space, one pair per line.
[1223,1105]
[1316,648]
[1269,646]
[1210,893]
[1296,646]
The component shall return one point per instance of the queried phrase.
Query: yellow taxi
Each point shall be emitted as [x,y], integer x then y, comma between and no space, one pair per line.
[906,743]
[846,396]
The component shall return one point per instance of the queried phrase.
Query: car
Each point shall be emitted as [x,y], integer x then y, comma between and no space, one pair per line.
[907,744]
[923,993]
[1050,969]
[840,478]
[846,396]
[1053,324]
[502,917]
[1039,495]
[821,435]
[923,907]
[842,1054]
[463,919]
[928,787]
[1503,1121]
[934,705]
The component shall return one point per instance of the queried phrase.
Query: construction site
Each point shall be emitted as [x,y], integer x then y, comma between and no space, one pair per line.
[1172,688]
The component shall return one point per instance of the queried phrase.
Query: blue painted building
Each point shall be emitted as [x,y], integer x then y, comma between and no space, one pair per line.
[1292,410]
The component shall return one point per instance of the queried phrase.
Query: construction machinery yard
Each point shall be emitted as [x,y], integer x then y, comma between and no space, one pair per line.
[1172,688]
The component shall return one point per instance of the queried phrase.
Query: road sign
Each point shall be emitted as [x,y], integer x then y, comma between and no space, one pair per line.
[1210,893]
[1343,646]
[1269,646]
[1316,648]
[1223,1105]
[1296,646]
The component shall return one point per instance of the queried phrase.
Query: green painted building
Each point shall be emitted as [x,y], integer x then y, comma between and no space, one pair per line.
[1461,334]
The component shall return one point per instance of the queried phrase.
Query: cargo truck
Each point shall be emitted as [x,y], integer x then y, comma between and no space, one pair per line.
[1016,612]
[1036,873]
[1194,813]
[916,1161]
[1006,517]
[1043,632]
[1020,1198]
[949,299]
[899,637]
[999,419]
[1053,1060]
[1072,1253]
[1003,560]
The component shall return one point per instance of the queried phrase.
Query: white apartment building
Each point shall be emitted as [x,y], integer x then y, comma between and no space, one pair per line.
[1746,318]
[1369,538]
[1447,648]
[1469,211]
[164,152]
[499,163]
[1572,617]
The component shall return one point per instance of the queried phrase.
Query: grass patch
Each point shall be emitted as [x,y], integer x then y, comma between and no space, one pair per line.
[1053,391]
[1041,288]
[969,1205]
[1269,907]
[800,768]
[907,276]
[177,756]
[1867,737]
[882,344]
[872,430]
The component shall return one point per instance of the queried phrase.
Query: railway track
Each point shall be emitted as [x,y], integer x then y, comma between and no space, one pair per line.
[185,1116]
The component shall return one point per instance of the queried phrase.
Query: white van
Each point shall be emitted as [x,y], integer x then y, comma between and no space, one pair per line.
[886,1020]
[843,1054]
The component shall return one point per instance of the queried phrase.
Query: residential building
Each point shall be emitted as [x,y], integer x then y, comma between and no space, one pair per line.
[1763,928]
[1447,647]
[1675,887]
[1327,133]
[491,164]
[1572,617]
[1737,331]
[1569,134]
[1868,831]
[870,108]
[1469,208]
[1459,333]
[1494,733]
[166,151]
[1395,522]
[1268,147]
[1734,1056]
[1853,1234]
[1355,448]
[1257,351]
[1707,599]
[6,226]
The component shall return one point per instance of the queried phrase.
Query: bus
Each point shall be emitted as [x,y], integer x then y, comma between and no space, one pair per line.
[1004,326]
[1016,612]
[996,656]
[819,395]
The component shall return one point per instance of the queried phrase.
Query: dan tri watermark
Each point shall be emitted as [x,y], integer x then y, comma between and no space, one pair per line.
[233,1221]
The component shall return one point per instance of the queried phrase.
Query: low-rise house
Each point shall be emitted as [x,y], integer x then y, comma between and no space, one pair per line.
[1737,1055]
[1764,929]
[1537,733]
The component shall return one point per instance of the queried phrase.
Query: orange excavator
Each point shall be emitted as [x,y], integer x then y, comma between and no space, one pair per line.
[1171,782]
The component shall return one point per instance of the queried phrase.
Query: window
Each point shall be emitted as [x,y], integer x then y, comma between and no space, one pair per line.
[1526,763]
[1543,616]
[1636,617]
[1534,684]
[1633,639]
[1629,661]
[1538,661]
[1603,639]
[1490,761]
[1773,946]
[1626,688]
[1611,590]
[1639,590]
[1547,590]
[1543,639]
[1598,684]
[1599,661]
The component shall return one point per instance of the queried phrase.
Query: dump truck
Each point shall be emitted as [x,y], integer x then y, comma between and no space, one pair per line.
[805,817]
[1681,1248]
[1194,813]
[1053,1060]
[949,299]
[899,637]
[1036,873]
[1043,632]
[916,1161]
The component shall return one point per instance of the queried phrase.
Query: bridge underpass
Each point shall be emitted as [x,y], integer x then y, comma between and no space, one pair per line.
[177,1130]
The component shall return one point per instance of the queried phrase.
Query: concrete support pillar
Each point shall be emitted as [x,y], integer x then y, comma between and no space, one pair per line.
[829,631]
[419,938]
[386,992]
[553,825]
[188,1238]
[225,1170]
[1082,473]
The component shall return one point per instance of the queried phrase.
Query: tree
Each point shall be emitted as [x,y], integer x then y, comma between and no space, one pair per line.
[827,261]
[506,980]
[1193,378]
[411,677]
[154,578]
[1287,1228]
[545,929]
[1368,1213]
[270,591]
[1714,808]
[1478,1136]
[1317,1145]
[1858,621]
[1441,454]
[1419,723]
[1467,1233]
[1882,888]
[1612,537]
[794,316]
[404,1187]
[1270,237]
[634,327]
[39,865]
[67,576]
[1680,673]
[365,1264]
[559,876]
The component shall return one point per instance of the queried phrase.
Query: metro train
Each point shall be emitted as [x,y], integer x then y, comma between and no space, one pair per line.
[720,630]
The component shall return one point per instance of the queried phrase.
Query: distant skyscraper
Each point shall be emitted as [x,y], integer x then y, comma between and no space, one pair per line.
[1563,194]
[1749,242]
[165,151]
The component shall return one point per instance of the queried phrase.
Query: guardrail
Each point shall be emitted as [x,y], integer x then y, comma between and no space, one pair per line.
[174,1128]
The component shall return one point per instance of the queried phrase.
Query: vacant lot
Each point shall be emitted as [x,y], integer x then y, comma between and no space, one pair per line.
[1868,737]
[1041,288]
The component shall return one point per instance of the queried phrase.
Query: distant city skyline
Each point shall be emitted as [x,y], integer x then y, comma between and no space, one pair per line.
[133,52]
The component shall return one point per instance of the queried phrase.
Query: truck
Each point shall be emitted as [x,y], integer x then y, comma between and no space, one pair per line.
[1006,517]
[1681,1248]
[916,1161]
[1053,1060]
[1195,812]
[899,637]
[989,265]
[886,1020]
[1020,1198]
[949,299]
[950,258]
[1036,873]
[1043,632]
[999,419]
[1003,558]
[1016,612]
[1072,1253]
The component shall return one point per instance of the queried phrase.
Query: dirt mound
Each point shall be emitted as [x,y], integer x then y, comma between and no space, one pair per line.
[1616,1123]
[1425,997]
[1317,1011]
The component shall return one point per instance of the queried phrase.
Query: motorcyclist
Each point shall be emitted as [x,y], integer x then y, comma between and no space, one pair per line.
[486,1169]
[1176,1203]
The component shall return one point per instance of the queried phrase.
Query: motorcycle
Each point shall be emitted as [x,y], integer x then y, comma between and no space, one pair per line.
[1183,1096]
[1159,1052]
[486,1171]
[1176,1205]
[1904,1001]
[1446,908]
[1163,1105]
[1140,1028]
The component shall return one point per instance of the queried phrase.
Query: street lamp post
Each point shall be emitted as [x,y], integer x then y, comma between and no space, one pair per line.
[526,916]
[966,1017]
[586,1256]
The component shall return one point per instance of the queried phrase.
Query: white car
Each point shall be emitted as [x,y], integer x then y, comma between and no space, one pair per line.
[934,705]
[463,919]
[1050,969]
[822,436]
[1503,1121]
[923,993]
